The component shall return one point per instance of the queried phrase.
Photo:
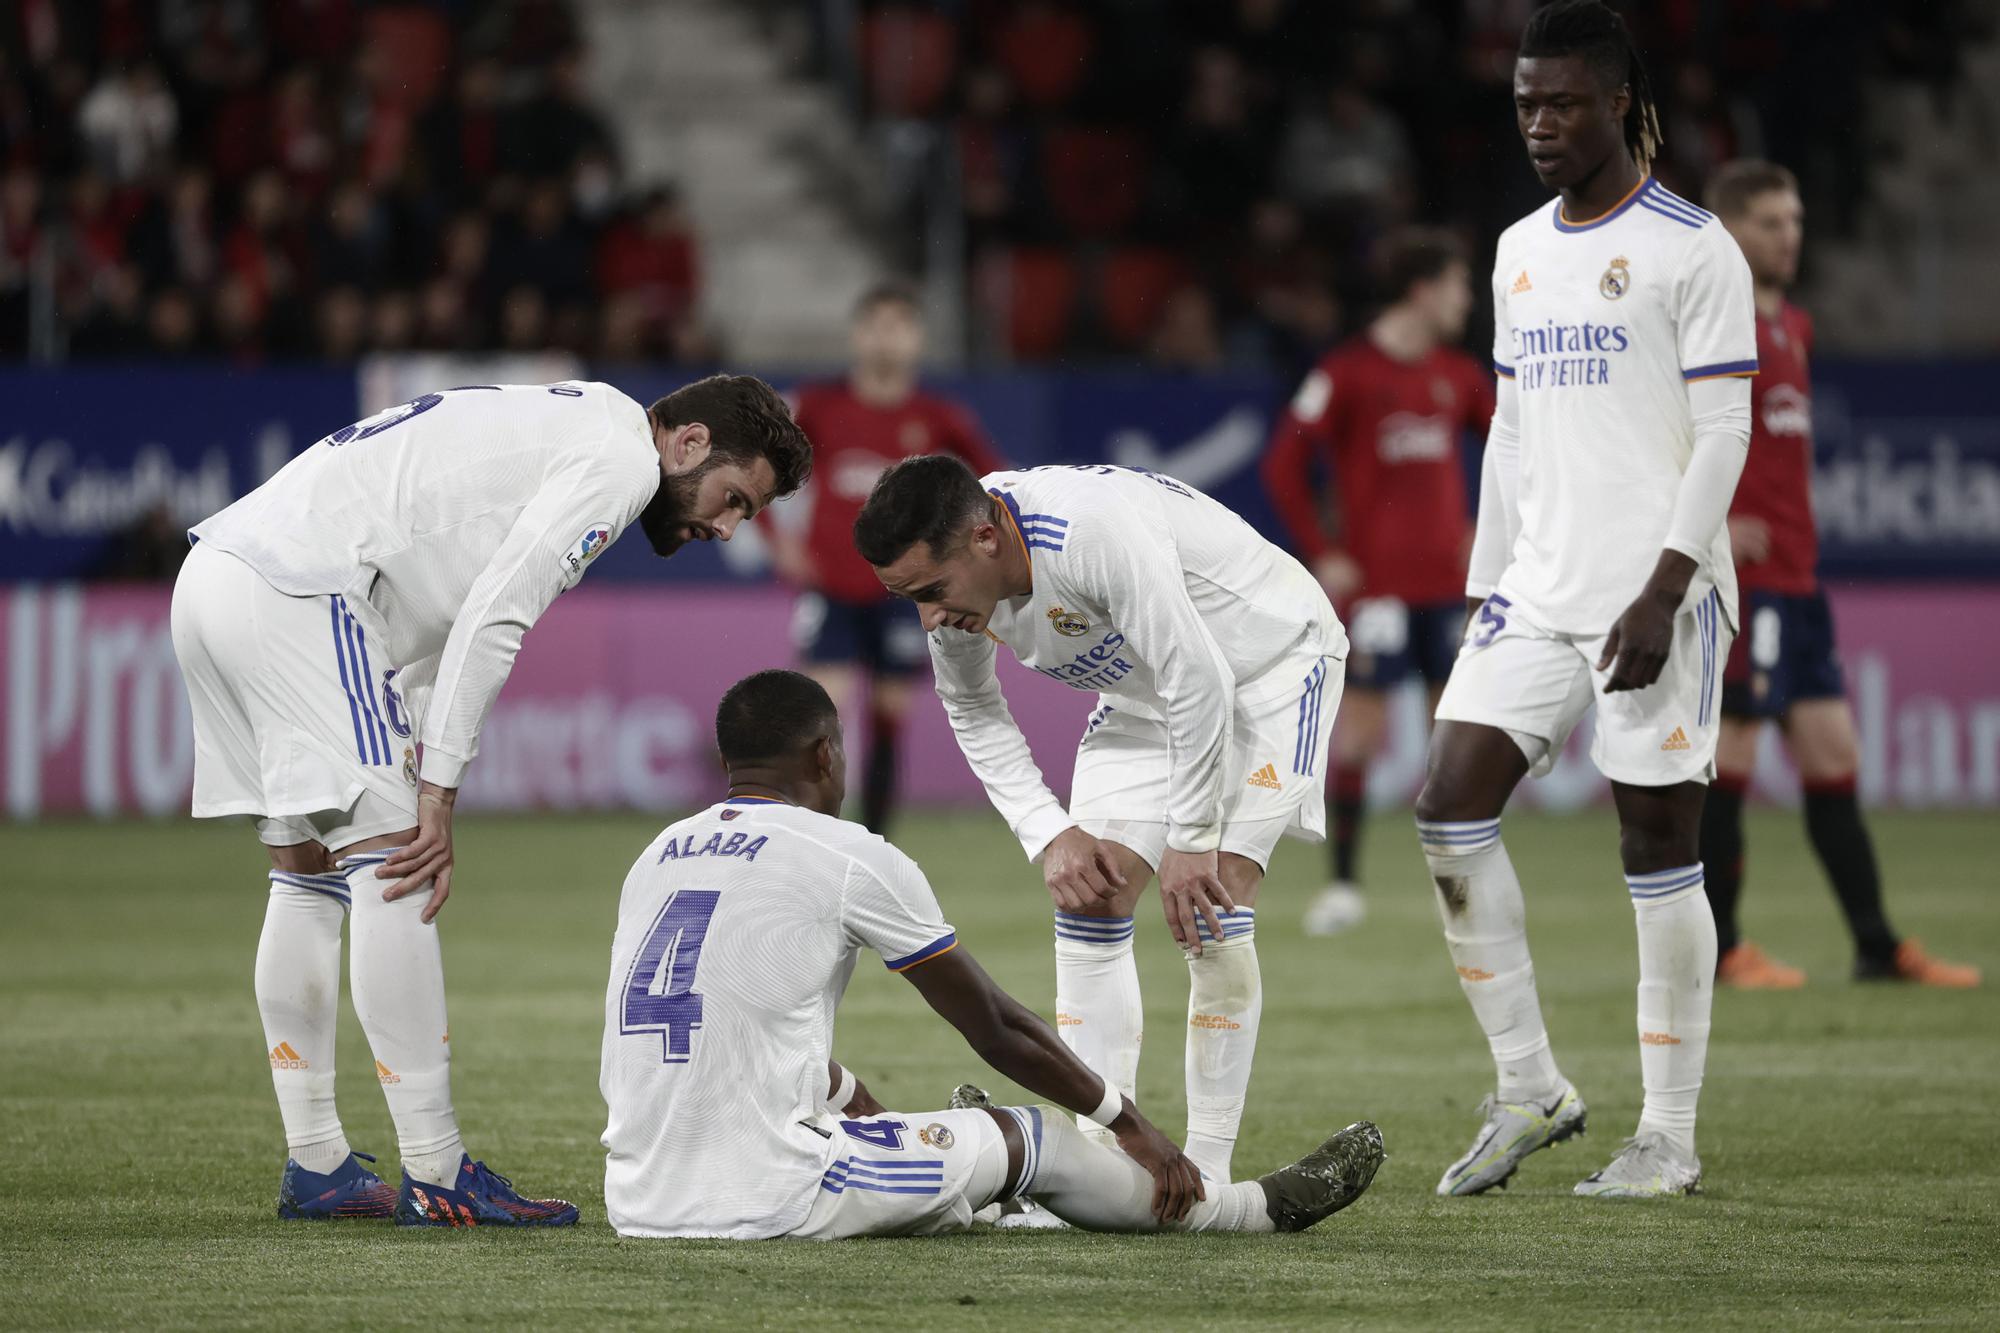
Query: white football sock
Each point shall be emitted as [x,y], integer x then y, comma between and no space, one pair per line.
[298,997]
[1486,930]
[398,975]
[1098,1012]
[1676,991]
[1095,1186]
[1225,1001]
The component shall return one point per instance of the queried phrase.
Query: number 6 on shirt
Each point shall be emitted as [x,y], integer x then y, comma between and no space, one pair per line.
[659,991]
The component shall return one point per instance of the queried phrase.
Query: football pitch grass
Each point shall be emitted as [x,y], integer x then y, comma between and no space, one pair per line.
[1847,1132]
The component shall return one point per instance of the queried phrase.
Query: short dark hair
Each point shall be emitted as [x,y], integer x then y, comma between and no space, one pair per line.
[1735,184]
[890,291]
[746,420]
[930,499]
[770,715]
[1412,255]
[1593,31]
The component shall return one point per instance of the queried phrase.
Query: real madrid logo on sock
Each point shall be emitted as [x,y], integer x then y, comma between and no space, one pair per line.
[1617,279]
[1068,623]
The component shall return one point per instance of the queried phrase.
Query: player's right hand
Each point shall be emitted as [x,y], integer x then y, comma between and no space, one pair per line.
[1750,538]
[1080,871]
[1177,1183]
[427,860]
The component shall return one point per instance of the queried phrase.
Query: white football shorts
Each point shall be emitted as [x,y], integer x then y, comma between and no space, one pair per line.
[296,721]
[1537,685]
[1273,781]
[909,1174]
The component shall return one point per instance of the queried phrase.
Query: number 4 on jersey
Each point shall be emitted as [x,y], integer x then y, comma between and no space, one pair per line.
[659,992]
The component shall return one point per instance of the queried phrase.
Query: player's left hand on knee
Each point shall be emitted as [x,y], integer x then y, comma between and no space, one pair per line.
[1191,883]
[1635,651]
[428,858]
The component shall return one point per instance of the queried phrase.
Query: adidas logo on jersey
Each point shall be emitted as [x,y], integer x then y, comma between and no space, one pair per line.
[284,1057]
[1677,741]
[1267,776]
[1521,284]
[385,1075]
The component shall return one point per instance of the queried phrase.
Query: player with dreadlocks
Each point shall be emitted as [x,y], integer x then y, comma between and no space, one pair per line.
[1601,575]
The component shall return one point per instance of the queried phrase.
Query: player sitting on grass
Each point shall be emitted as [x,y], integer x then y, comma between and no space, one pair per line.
[394,564]
[737,932]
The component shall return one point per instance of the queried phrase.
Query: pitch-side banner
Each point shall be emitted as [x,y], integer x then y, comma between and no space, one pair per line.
[1907,469]
[611,704]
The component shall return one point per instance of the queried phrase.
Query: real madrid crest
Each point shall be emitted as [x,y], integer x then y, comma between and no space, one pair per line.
[936,1136]
[1068,623]
[1617,279]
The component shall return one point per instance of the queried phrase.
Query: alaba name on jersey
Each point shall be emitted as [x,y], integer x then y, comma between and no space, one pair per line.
[738,930]
[1602,324]
[448,524]
[1150,594]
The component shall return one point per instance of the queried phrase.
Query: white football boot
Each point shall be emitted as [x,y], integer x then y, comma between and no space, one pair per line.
[1645,1168]
[1338,907]
[1510,1132]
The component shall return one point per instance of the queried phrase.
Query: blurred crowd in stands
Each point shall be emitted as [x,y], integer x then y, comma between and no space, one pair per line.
[1196,182]
[1201,181]
[272,180]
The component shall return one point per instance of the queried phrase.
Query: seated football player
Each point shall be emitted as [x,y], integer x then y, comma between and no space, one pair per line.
[737,932]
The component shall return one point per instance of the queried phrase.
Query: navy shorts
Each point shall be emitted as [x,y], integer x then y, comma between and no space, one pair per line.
[886,637]
[1388,640]
[1784,655]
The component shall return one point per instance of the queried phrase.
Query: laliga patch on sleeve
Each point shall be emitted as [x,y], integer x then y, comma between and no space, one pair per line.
[1309,403]
[595,538]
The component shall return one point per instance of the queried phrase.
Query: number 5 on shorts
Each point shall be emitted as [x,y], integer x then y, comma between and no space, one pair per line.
[1491,620]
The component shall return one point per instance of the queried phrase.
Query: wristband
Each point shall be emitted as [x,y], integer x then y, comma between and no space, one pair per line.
[1111,1107]
[837,1101]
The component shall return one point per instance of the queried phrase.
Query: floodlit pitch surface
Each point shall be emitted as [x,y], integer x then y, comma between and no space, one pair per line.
[1848,1132]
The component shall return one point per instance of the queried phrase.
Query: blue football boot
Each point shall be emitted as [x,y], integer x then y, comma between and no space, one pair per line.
[482,1198]
[349,1190]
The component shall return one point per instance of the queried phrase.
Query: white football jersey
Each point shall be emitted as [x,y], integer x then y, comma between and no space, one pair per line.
[451,522]
[1155,597]
[737,932]
[1601,325]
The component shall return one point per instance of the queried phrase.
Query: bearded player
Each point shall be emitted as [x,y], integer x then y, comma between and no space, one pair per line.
[1624,333]
[1784,668]
[369,598]
[1382,417]
[738,930]
[850,633]
[1216,660]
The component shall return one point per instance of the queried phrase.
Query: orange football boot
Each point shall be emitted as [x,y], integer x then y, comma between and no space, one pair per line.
[1748,967]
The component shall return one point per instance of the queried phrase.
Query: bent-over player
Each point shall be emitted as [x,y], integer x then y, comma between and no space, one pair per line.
[369,598]
[1217,662]
[738,930]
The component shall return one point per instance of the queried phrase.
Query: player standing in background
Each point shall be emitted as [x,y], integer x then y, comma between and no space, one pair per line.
[1623,335]
[1217,663]
[370,597]
[849,632]
[738,930]
[1382,416]
[1784,666]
